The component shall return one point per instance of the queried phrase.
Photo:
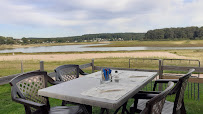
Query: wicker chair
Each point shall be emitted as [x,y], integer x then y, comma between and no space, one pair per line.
[169,107]
[24,90]
[66,73]
[155,105]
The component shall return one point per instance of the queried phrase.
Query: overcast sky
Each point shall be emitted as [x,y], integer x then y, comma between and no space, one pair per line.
[58,18]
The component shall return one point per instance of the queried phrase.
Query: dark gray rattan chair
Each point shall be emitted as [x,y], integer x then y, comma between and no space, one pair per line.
[169,107]
[66,73]
[155,105]
[24,90]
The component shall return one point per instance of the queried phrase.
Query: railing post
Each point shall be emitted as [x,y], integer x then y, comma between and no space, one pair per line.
[129,63]
[92,65]
[160,69]
[22,71]
[41,65]
[160,74]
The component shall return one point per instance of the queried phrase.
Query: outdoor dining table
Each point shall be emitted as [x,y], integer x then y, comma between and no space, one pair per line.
[90,91]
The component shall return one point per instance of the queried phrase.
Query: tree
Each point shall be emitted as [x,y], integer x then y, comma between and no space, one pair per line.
[10,41]
[25,40]
[200,33]
[175,33]
[169,33]
[2,40]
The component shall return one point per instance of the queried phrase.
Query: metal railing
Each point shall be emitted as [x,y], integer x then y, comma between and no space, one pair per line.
[175,68]
[192,87]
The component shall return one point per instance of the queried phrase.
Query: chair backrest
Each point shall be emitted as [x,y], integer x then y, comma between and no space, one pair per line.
[179,89]
[155,105]
[67,72]
[26,86]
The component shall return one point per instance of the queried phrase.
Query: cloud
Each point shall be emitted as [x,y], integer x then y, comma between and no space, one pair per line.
[97,16]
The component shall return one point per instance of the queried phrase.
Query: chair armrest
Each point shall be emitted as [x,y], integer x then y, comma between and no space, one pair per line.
[51,81]
[164,81]
[145,111]
[150,92]
[82,72]
[145,95]
[56,82]
[29,103]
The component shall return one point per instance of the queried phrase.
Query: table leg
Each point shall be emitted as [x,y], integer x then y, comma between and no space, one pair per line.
[125,109]
[89,108]
[103,110]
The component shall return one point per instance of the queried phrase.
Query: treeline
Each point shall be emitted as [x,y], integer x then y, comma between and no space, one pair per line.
[186,33]
[191,33]
[113,36]
[6,40]
[91,37]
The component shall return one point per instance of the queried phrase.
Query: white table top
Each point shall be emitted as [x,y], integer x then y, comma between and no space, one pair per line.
[80,90]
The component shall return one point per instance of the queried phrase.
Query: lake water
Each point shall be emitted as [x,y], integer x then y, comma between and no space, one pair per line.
[81,48]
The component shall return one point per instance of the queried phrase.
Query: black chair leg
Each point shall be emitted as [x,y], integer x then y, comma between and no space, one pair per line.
[134,108]
[63,103]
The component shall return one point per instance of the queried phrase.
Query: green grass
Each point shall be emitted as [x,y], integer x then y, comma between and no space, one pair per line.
[7,106]
[14,67]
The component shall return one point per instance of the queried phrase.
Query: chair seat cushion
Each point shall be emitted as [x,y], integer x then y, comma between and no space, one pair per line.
[65,110]
[167,109]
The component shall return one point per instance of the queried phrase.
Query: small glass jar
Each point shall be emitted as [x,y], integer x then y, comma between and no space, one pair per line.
[116,77]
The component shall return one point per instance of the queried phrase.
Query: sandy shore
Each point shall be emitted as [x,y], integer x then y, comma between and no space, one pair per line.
[63,57]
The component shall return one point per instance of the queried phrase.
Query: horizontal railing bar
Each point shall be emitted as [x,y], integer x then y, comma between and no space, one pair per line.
[143,59]
[193,80]
[182,59]
[181,68]
[99,68]
[85,65]
[6,79]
